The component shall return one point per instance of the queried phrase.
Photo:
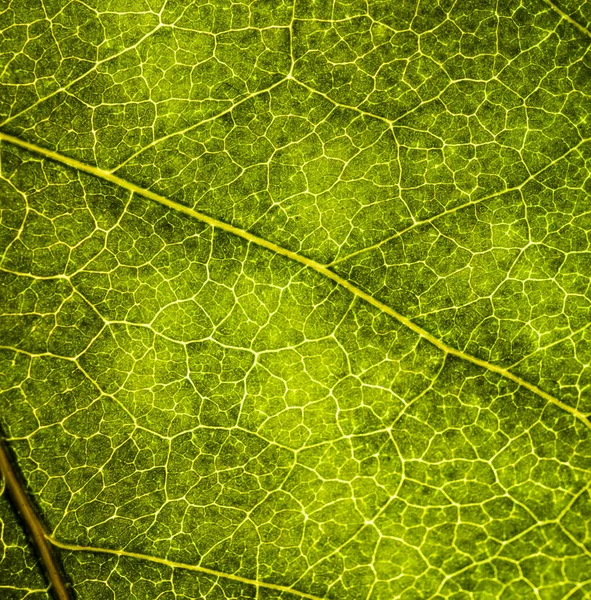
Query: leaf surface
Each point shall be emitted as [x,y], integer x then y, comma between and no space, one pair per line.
[295,298]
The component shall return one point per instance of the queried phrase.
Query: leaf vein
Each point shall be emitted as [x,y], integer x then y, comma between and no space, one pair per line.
[312,264]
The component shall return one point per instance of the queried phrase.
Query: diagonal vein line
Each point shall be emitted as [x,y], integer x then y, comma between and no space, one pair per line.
[44,542]
[90,71]
[178,565]
[20,498]
[213,117]
[568,18]
[308,262]
[459,207]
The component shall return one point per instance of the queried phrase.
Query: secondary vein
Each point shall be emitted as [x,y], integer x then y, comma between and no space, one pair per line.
[308,262]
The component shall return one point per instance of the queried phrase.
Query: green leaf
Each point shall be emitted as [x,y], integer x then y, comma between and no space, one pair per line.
[295,299]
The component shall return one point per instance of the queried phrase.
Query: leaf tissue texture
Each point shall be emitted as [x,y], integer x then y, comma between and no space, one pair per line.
[295,298]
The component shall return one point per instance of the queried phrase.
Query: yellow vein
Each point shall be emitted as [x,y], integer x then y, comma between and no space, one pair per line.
[560,340]
[91,70]
[177,565]
[209,119]
[459,207]
[358,110]
[568,18]
[312,264]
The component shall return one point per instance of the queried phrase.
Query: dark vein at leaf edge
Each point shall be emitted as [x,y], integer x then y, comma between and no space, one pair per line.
[177,565]
[320,268]
[43,542]
[22,502]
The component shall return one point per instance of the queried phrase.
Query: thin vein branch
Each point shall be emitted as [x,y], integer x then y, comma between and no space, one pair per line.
[72,82]
[459,207]
[209,119]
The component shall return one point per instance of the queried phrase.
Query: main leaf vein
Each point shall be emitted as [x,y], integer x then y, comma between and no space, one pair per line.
[308,262]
